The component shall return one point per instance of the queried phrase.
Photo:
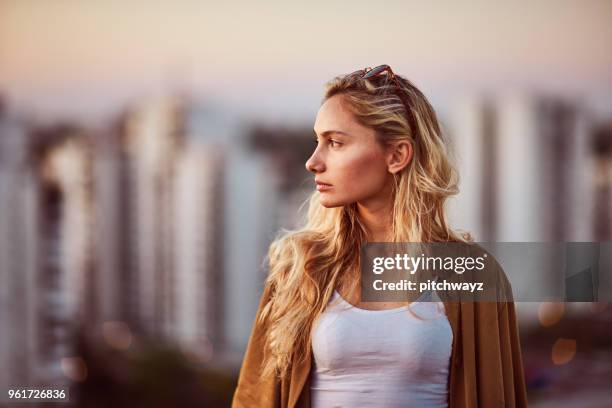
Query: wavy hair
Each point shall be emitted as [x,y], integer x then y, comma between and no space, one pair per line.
[306,264]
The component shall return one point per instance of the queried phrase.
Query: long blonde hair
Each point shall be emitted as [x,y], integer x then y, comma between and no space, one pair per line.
[305,265]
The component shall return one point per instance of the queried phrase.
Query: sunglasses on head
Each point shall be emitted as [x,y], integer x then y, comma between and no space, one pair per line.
[372,72]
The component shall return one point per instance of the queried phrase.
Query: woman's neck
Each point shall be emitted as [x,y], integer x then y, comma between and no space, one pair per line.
[377,219]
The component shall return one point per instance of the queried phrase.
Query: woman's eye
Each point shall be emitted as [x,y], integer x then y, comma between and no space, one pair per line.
[330,142]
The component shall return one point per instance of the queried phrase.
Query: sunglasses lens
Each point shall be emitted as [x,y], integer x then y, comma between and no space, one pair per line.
[376,71]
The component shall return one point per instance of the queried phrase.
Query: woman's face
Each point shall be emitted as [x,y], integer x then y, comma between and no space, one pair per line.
[348,162]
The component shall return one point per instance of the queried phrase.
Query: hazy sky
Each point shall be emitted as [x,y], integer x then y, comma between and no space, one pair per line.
[272,58]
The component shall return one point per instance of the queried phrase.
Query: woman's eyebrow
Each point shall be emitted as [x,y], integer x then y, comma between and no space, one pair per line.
[329,132]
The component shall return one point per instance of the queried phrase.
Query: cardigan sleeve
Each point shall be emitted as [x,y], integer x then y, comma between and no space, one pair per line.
[499,364]
[508,364]
[491,368]
[252,389]
[515,390]
[490,371]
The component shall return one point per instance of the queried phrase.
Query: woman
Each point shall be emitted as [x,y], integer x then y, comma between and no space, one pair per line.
[382,175]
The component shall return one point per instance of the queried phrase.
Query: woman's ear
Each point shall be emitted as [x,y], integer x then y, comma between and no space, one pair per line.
[399,154]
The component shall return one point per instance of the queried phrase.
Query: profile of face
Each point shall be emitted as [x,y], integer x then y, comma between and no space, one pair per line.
[349,163]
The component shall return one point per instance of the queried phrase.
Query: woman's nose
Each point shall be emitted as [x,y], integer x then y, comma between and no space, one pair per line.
[314,164]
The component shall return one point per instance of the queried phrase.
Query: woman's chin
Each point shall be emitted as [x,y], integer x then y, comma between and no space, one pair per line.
[329,202]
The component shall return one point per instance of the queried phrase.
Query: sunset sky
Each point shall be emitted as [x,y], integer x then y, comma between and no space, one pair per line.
[271,58]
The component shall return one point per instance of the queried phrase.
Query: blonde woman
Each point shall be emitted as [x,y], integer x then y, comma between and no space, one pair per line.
[382,174]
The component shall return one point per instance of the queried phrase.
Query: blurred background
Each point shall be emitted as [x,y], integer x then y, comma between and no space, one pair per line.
[150,151]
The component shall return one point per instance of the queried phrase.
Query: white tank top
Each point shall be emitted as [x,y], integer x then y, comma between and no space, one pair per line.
[381,358]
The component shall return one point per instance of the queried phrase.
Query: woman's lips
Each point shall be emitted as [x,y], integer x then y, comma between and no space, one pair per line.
[323,186]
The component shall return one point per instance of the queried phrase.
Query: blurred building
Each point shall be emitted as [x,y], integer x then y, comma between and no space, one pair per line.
[160,196]
[120,227]
[45,244]
[197,322]
[65,273]
[533,169]
[19,195]
[527,168]
[246,198]
[184,214]
[602,153]
[153,139]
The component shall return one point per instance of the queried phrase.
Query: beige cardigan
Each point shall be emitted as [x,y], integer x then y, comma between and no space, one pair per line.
[486,366]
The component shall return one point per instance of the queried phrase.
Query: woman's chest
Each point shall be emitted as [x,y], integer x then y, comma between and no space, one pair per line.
[349,338]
